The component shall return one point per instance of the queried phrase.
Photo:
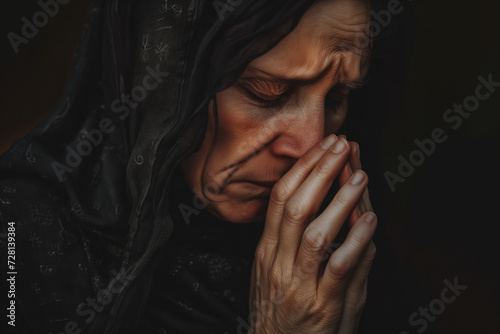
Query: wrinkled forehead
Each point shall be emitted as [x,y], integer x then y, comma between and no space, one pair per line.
[341,25]
[329,31]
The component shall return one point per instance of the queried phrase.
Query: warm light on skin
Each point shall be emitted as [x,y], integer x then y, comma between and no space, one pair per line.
[276,111]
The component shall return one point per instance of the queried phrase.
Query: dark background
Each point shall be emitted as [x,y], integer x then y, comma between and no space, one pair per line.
[440,224]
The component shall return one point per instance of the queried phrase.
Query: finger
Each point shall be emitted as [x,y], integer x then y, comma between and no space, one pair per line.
[347,257]
[365,203]
[355,297]
[345,174]
[344,177]
[355,164]
[284,188]
[323,230]
[355,156]
[301,207]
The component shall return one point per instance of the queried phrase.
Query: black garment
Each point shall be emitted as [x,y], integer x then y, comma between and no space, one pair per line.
[70,210]
[202,282]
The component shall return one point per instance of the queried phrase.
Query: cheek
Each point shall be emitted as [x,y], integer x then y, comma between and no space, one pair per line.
[236,122]
[230,123]
[234,128]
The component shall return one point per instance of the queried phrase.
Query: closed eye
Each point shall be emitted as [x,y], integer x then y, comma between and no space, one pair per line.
[265,93]
[272,102]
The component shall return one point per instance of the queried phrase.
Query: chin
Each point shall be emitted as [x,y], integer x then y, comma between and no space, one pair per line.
[250,211]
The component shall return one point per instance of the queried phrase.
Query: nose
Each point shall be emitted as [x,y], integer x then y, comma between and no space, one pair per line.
[297,131]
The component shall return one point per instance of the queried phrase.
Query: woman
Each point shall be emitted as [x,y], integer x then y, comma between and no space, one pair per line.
[198,136]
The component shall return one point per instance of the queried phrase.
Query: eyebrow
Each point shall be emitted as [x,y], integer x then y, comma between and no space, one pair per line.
[297,81]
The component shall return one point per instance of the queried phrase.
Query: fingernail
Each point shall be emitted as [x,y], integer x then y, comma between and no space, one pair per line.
[328,142]
[370,218]
[357,177]
[340,146]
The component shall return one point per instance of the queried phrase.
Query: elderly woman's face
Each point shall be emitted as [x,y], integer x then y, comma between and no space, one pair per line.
[286,101]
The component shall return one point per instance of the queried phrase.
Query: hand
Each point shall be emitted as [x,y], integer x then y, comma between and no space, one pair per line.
[293,290]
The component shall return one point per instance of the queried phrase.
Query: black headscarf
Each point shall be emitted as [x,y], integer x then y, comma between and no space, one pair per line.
[90,187]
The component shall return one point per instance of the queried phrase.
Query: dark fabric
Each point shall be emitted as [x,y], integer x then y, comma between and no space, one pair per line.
[90,188]
[70,210]
[209,263]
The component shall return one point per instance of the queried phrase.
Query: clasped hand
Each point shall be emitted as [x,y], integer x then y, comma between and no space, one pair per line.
[295,287]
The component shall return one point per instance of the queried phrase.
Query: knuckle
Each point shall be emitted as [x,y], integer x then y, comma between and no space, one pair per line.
[326,313]
[294,211]
[324,166]
[339,267]
[342,199]
[313,240]
[275,277]
[360,240]
[280,191]
[306,163]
